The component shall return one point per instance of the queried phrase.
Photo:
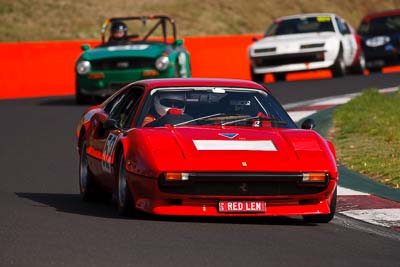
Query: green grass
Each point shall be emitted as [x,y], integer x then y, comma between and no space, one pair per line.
[35,20]
[366,136]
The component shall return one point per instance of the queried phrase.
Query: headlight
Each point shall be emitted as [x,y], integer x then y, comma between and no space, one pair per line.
[377,41]
[162,63]
[176,176]
[316,177]
[83,67]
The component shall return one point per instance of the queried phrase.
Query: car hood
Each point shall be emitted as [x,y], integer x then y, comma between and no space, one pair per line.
[293,39]
[131,50]
[232,149]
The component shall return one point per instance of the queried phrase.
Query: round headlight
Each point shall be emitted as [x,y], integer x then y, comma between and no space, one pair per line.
[377,41]
[162,63]
[83,67]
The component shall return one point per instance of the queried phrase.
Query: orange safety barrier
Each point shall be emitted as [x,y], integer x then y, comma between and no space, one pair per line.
[35,69]
[47,68]
[38,68]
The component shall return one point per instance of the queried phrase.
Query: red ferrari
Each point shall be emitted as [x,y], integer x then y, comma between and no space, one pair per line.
[205,147]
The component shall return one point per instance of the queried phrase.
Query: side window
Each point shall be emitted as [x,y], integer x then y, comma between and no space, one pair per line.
[111,108]
[129,107]
[113,104]
[116,108]
[346,28]
[343,29]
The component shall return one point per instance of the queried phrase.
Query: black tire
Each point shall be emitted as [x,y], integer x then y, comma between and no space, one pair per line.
[280,76]
[80,98]
[125,202]
[323,218]
[87,186]
[339,68]
[257,77]
[360,66]
[375,69]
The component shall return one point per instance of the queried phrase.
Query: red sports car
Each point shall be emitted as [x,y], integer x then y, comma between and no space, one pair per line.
[205,147]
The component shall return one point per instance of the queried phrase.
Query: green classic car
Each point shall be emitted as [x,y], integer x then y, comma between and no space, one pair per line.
[131,49]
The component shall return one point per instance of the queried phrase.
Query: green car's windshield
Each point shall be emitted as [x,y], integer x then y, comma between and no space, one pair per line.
[212,106]
[143,29]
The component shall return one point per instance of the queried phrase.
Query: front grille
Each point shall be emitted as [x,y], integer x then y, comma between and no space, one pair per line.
[310,46]
[122,63]
[242,184]
[272,61]
[265,50]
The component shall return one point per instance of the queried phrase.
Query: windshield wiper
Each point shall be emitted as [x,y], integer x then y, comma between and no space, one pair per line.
[216,116]
[200,118]
[257,118]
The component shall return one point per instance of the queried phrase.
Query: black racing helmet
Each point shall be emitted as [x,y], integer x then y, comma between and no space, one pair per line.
[119,26]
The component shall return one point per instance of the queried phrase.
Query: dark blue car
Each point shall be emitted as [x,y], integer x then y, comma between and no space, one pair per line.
[380,39]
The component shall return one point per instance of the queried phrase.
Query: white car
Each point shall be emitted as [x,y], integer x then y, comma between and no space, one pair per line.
[306,42]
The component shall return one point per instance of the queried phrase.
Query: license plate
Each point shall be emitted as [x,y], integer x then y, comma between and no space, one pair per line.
[376,63]
[241,206]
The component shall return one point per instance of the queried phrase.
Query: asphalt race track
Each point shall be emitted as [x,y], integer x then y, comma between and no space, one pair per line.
[44,223]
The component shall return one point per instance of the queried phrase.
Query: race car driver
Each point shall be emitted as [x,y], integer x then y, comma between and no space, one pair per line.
[169,109]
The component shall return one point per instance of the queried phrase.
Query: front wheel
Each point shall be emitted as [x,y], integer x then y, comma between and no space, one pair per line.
[279,76]
[324,218]
[80,98]
[124,198]
[339,68]
[87,186]
[256,77]
[360,65]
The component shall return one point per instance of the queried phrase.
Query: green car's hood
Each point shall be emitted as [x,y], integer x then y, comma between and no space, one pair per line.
[152,50]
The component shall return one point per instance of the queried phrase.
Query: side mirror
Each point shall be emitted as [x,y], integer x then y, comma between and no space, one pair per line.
[85,47]
[308,124]
[178,42]
[255,39]
[110,124]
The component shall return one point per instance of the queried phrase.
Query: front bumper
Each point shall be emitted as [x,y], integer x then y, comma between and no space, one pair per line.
[149,197]
[377,57]
[105,83]
[291,62]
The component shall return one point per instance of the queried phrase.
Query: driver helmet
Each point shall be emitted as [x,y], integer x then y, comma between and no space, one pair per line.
[119,30]
[163,102]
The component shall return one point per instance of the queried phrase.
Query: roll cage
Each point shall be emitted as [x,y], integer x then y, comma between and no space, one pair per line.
[162,22]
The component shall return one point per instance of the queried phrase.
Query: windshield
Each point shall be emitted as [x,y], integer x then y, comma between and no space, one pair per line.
[301,25]
[212,106]
[126,30]
[380,26]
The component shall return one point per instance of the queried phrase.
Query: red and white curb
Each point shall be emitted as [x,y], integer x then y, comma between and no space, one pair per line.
[352,203]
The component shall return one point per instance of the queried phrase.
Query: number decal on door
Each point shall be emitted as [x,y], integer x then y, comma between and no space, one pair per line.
[107,152]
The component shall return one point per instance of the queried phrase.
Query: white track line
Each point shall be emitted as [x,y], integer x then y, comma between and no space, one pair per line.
[343,191]
[298,115]
[333,101]
[383,217]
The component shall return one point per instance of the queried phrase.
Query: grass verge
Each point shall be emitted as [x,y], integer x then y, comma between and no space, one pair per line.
[366,135]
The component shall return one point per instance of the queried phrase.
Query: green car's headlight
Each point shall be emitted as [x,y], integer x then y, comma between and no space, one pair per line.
[162,63]
[83,67]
